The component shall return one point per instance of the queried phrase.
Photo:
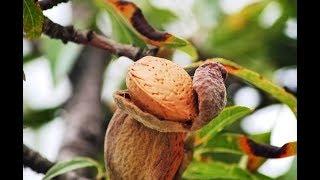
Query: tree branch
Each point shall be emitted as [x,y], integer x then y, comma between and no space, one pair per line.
[35,161]
[84,117]
[68,33]
[48,4]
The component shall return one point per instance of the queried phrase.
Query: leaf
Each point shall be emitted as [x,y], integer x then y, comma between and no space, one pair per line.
[228,143]
[228,116]
[256,80]
[120,31]
[132,16]
[190,50]
[292,173]
[66,166]
[259,81]
[157,17]
[61,57]
[262,138]
[259,176]
[240,144]
[215,170]
[37,118]
[32,19]
[24,76]
[254,162]
[30,57]
[241,37]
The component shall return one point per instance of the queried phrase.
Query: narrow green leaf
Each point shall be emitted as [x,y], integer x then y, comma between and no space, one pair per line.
[292,173]
[228,116]
[224,143]
[66,166]
[61,57]
[240,144]
[120,31]
[262,138]
[190,50]
[24,76]
[30,57]
[260,82]
[259,176]
[36,118]
[132,17]
[157,17]
[32,19]
[215,170]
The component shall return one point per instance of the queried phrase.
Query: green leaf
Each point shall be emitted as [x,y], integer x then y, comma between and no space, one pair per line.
[259,176]
[61,57]
[241,37]
[30,57]
[260,82]
[292,173]
[157,17]
[190,50]
[130,15]
[24,76]
[32,19]
[215,170]
[37,118]
[66,166]
[240,144]
[228,116]
[120,31]
[225,143]
[262,138]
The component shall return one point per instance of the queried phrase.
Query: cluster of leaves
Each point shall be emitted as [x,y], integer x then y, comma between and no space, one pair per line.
[243,37]
[232,33]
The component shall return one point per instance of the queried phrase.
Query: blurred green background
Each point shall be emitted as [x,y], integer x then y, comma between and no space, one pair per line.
[258,34]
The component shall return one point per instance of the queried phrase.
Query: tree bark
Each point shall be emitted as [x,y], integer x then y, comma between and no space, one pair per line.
[83,113]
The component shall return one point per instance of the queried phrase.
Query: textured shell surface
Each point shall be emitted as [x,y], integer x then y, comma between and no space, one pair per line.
[162,88]
[133,151]
[145,137]
[208,83]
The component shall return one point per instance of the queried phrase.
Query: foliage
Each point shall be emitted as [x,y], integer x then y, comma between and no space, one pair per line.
[238,36]
[260,82]
[76,163]
[228,116]
[61,57]
[32,19]
[218,170]
[36,118]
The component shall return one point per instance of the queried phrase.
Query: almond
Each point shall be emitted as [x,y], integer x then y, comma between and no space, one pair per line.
[162,88]
[146,137]
[133,151]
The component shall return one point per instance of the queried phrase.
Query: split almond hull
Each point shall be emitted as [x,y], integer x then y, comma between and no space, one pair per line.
[133,151]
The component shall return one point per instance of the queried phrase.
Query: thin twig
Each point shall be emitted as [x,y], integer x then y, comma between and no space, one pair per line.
[48,4]
[35,161]
[68,33]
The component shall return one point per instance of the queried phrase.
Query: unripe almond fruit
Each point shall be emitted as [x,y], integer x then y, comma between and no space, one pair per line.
[162,88]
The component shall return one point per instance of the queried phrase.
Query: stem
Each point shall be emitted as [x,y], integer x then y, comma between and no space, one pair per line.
[68,33]
[35,161]
[48,4]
